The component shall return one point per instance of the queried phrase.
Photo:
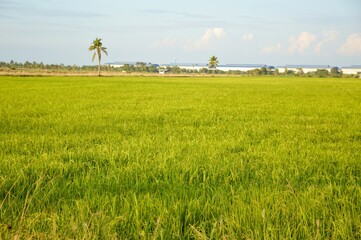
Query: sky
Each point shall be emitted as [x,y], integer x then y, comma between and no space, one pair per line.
[273,32]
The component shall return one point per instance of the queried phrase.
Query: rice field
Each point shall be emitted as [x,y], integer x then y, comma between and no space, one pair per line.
[180,158]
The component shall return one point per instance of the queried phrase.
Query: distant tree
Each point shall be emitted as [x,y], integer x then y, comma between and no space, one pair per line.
[336,72]
[27,64]
[276,72]
[235,72]
[203,70]
[128,68]
[300,72]
[322,73]
[310,74]
[140,64]
[153,68]
[213,63]
[140,67]
[288,72]
[263,71]
[285,71]
[175,69]
[97,46]
[254,72]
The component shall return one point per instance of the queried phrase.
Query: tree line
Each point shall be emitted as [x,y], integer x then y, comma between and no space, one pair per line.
[12,65]
[141,67]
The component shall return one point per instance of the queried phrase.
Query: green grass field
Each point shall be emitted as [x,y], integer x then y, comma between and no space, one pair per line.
[180,158]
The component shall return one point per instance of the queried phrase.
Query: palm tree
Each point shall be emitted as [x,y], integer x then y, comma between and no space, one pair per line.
[98,47]
[213,63]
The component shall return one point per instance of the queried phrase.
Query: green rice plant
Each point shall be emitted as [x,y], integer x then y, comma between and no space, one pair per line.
[180,158]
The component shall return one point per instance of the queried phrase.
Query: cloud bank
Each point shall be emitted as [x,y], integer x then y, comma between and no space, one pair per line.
[328,36]
[301,43]
[210,36]
[352,46]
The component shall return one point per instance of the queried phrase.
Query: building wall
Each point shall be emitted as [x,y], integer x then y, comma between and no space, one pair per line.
[196,68]
[351,70]
[243,69]
[305,70]
[116,65]
[222,68]
[345,70]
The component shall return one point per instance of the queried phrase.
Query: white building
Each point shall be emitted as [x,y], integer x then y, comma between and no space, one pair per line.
[305,68]
[187,66]
[353,69]
[242,67]
[122,64]
[222,67]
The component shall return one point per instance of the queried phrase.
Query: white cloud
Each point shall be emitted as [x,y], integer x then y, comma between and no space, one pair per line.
[328,36]
[301,43]
[211,34]
[166,42]
[352,46]
[217,32]
[248,37]
[272,49]
[208,37]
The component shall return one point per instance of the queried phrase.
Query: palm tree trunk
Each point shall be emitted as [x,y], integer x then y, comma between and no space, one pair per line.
[99,63]
[98,66]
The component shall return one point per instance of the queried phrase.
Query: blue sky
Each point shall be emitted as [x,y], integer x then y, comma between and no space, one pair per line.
[273,32]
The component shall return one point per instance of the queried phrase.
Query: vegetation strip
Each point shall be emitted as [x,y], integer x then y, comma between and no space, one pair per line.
[180,158]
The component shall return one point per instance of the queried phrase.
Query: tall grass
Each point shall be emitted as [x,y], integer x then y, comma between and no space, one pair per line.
[180,158]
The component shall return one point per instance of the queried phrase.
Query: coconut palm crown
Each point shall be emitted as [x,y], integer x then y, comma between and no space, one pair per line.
[98,48]
[213,62]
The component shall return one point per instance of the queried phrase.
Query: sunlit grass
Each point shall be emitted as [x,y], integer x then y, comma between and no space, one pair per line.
[180,158]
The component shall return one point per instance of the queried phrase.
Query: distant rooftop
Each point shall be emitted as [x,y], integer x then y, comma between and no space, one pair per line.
[126,62]
[231,65]
[220,65]
[245,65]
[186,64]
[306,66]
[353,67]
